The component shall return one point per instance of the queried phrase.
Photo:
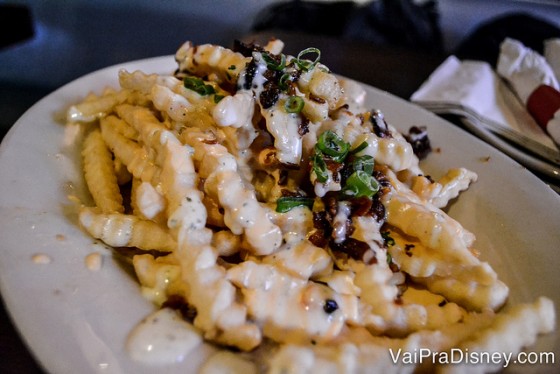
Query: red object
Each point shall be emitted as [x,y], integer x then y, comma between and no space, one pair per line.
[543,102]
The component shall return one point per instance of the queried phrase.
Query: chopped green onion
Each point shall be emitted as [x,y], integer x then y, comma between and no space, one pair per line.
[333,145]
[198,86]
[231,67]
[294,104]
[363,163]
[283,81]
[306,65]
[287,203]
[218,98]
[387,240]
[272,63]
[363,145]
[360,183]
[320,168]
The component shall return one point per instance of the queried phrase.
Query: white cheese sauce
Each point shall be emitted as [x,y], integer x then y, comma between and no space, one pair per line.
[339,222]
[225,362]
[41,259]
[94,261]
[162,338]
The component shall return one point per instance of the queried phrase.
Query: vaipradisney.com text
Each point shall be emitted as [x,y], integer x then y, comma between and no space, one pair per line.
[460,356]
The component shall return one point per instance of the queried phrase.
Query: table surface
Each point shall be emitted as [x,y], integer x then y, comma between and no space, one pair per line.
[395,70]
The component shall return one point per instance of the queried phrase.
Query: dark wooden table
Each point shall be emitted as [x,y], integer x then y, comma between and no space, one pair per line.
[396,70]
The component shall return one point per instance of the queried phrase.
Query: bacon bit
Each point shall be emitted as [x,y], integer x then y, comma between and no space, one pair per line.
[250,72]
[408,248]
[401,288]
[380,127]
[377,209]
[246,49]
[335,168]
[283,177]
[318,239]
[317,99]
[321,220]
[303,127]
[361,206]
[290,166]
[288,193]
[177,302]
[354,248]
[394,267]
[331,205]
[210,141]
[382,179]
[418,139]
[270,94]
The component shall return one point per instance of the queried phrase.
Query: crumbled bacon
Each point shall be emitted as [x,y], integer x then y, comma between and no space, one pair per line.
[318,239]
[380,127]
[246,49]
[354,248]
[360,206]
[418,139]
[303,127]
[270,94]
[377,209]
[177,302]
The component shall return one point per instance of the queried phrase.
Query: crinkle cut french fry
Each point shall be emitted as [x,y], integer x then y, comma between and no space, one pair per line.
[433,228]
[448,187]
[205,59]
[130,153]
[124,230]
[89,110]
[122,173]
[122,127]
[100,175]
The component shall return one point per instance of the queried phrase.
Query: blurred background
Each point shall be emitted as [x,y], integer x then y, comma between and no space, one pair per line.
[47,43]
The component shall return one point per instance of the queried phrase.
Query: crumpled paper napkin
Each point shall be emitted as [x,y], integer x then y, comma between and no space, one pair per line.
[524,68]
[476,85]
[533,79]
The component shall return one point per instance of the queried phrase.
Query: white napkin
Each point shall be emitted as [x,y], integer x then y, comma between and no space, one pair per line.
[524,68]
[475,85]
[527,72]
[552,55]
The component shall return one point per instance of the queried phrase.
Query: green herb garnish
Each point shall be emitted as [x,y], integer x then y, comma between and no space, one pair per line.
[360,183]
[320,168]
[363,163]
[294,104]
[273,63]
[305,64]
[363,145]
[387,239]
[198,86]
[286,203]
[333,146]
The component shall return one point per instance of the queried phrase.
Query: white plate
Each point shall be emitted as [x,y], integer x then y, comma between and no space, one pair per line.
[545,168]
[76,320]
